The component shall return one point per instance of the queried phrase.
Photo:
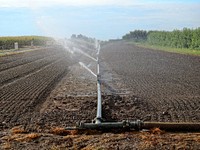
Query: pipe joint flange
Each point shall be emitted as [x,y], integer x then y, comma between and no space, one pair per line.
[80,124]
[97,119]
[138,124]
[98,77]
[126,124]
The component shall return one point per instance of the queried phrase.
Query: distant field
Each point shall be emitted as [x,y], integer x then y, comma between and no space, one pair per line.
[23,43]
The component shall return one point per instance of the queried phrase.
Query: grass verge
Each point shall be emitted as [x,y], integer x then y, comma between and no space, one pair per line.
[167,49]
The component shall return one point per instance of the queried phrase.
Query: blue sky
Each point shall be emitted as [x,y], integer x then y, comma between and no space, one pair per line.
[103,19]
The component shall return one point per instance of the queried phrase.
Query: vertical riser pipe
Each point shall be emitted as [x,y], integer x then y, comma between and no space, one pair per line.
[99,103]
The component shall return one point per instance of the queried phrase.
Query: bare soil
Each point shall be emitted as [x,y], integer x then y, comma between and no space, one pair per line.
[44,91]
[167,84]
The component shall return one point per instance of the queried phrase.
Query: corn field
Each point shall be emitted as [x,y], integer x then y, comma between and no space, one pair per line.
[8,42]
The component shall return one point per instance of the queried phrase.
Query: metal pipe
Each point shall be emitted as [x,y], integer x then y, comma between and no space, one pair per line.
[98,49]
[139,125]
[172,126]
[99,102]
[112,125]
[98,118]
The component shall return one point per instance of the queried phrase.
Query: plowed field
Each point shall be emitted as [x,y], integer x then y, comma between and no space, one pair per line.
[26,79]
[44,91]
[167,84]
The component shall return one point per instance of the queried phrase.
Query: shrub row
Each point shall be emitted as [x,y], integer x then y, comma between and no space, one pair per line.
[185,38]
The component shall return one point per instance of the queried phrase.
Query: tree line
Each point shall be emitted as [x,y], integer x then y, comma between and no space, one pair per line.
[82,37]
[8,42]
[185,38]
[137,35]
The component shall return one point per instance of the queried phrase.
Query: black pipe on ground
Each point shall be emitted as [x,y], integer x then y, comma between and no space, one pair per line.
[172,126]
[139,125]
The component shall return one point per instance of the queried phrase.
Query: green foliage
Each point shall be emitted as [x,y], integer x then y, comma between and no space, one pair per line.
[8,42]
[186,38]
[195,42]
[137,35]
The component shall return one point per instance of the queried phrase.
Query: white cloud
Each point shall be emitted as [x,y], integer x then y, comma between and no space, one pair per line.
[52,3]
[128,15]
[14,3]
[47,3]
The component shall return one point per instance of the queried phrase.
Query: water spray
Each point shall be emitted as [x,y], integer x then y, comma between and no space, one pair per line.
[87,55]
[88,69]
[68,49]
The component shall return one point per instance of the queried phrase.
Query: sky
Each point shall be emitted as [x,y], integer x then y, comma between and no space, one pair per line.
[101,19]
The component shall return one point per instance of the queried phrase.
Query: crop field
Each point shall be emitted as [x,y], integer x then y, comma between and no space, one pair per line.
[44,91]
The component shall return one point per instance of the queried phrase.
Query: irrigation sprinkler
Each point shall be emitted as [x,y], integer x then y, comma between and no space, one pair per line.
[99,124]
[98,118]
